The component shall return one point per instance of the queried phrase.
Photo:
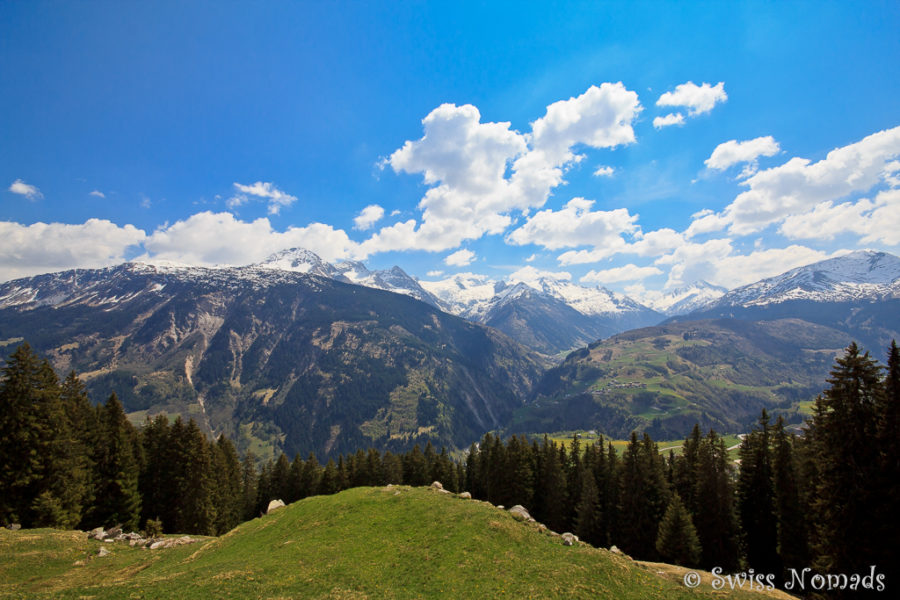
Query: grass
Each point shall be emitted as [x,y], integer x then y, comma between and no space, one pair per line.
[394,542]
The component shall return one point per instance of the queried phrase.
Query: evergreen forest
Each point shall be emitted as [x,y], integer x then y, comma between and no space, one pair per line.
[822,498]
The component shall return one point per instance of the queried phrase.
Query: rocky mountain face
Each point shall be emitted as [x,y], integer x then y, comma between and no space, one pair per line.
[278,359]
[858,293]
[548,315]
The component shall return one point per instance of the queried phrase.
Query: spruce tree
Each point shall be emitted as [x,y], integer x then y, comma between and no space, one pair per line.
[118,499]
[790,519]
[227,480]
[888,483]
[714,516]
[155,481]
[677,540]
[197,493]
[756,500]
[588,513]
[249,486]
[847,501]
[643,498]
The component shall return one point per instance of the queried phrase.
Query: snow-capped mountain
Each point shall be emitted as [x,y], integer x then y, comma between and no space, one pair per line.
[683,300]
[858,293]
[394,279]
[547,314]
[858,276]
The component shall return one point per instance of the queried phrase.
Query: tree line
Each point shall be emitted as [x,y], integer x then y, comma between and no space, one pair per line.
[823,499]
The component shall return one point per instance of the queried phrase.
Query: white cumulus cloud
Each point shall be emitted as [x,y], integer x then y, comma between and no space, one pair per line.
[698,99]
[670,119]
[734,152]
[368,217]
[24,189]
[874,221]
[575,225]
[532,276]
[797,186]
[480,173]
[97,194]
[27,250]
[604,171]
[629,272]
[460,258]
[210,239]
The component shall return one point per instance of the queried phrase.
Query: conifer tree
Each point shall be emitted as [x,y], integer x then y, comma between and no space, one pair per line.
[197,512]
[756,500]
[677,540]
[312,473]
[588,513]
[118,499]
[790,519]
[155,481]
[888,442]
[847,502]
[281,478]
[249,486]
[228,477]
[330,482]
[643,497]
[393,468]
[714,518]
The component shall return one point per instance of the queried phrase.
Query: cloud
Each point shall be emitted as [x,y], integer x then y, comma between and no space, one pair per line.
[98,194]
[733,152]
[797,186]
[27,250]
[629,272]
[23,189]
[698,99]
[670,119]
[714,261]
[210,239]
[531,258]
[437,273]
[276,198]
[653,243]
[480,173]
[604,171]
[368,217]
[460,258]
[575,225]
[874,221]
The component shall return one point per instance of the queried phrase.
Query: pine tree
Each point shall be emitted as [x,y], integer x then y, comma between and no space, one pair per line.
[588,513]
[155,481]
[118,499]
[888,483]
[249,486]
[281,478]
[847,501]
[643,497]
[228,477]
[756,500]
[714,516]
[330,482]
[197,495]
[790,519]
[677,540]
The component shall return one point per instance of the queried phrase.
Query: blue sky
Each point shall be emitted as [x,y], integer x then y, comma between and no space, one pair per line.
[484,137]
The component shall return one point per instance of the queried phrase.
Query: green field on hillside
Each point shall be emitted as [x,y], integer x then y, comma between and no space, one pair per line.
[392,542]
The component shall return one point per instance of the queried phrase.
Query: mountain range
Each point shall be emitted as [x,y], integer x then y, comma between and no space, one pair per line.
[301,355]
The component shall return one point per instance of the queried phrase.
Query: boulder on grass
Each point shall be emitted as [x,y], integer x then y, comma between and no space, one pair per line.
[520,513]
[274,505]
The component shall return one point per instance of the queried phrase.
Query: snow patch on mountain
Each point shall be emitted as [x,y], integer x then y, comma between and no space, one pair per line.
[858,276]
[683,300]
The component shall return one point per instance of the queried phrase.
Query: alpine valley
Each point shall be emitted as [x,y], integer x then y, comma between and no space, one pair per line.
[296,354]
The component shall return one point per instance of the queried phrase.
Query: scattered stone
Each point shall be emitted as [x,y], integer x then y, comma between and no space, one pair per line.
[14,526]
[569,539]
[466,495]
[103,552]
[397,493]
[389,486]
[113,532]
[97,534]
[274,505]
[172,542]
[615,550]
[437,485]
[78,563]
[520,513]
[500,506]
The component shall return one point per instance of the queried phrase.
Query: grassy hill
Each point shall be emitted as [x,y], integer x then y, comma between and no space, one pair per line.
[664,379]
[394,542]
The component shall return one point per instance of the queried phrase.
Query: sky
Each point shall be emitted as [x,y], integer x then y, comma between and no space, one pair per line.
[640,146]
